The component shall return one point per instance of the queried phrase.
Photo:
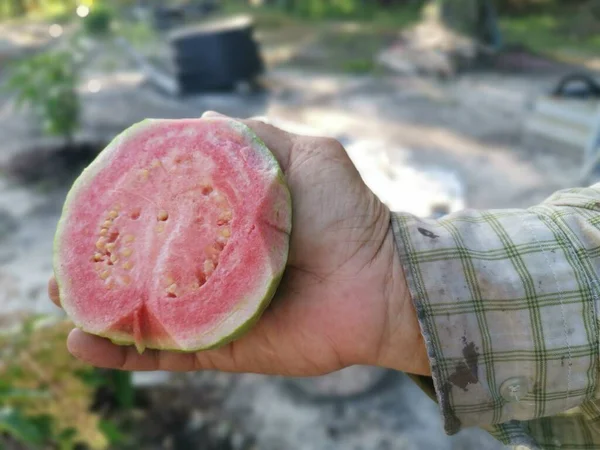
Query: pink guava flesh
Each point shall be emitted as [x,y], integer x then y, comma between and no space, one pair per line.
[175,237]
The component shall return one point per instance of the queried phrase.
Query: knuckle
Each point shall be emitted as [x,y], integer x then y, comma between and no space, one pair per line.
[331,143]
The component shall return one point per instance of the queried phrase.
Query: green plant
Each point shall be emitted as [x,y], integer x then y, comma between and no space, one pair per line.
[140,35]
[47,83]
[359,65]
[45,392]
[319,9]
[99,20]
[562,36]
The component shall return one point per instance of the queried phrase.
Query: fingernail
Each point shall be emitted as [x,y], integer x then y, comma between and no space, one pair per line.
[213,114]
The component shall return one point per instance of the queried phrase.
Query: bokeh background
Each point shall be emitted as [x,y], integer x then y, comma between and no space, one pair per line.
[442,104]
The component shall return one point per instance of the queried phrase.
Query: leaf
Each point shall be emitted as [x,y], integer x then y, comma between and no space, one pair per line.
[18,427]
[66,439]
[16,394]
[124,388]
[90,377]
[112,432]
[47,84]
[39,362]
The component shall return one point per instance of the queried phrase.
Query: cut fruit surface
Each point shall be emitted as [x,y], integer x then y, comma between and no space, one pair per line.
[175,237]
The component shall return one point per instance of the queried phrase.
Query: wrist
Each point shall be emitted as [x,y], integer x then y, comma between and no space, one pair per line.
[402,346]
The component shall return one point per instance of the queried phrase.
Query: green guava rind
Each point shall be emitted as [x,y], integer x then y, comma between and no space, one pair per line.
[240,332]
[246,326]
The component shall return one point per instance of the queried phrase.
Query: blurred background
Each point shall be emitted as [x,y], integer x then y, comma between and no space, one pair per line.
[442,105]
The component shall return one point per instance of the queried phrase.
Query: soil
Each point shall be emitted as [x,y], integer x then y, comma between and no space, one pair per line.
[179,418]
[53,167]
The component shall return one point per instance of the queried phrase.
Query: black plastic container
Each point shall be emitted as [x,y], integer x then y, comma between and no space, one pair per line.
[215,56]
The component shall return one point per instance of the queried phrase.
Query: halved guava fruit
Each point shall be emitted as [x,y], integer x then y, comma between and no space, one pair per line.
[175,237]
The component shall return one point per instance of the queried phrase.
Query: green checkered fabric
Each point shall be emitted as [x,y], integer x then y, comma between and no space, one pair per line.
[508,305]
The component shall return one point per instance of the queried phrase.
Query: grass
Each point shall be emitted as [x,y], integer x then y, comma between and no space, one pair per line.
[337,44]
[264,18]
[53,12]
[348,44]
[270,18]
[48,11]
[560,34]
[351,49]
[359,65]
[395,18]
[138,34]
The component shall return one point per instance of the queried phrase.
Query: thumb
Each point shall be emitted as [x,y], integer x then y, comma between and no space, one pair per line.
[278,141]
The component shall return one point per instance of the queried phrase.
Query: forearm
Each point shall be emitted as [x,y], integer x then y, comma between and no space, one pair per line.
[507,303]
[401,345]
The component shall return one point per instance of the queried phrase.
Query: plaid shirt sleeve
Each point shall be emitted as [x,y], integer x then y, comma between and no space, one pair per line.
[508,305]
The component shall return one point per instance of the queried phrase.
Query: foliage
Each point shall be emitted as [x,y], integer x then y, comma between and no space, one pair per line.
[359,65]
[309,8]
[17,8]
[99,20]
[140,35]
[319,9]
[279,14]
[47,83]
[53,9]
[46,393]
[557,35]
[516,7]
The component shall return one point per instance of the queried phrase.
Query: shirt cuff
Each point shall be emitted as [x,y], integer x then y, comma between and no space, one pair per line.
[507,303]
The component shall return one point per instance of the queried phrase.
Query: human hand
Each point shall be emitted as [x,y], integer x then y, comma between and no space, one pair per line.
[343,299]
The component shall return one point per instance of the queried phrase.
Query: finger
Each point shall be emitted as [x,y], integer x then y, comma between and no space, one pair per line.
[278,141]
[101,352]
[53,292]
[263,119]
[255,353]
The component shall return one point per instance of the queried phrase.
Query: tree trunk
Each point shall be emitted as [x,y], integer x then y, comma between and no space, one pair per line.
[473,18]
